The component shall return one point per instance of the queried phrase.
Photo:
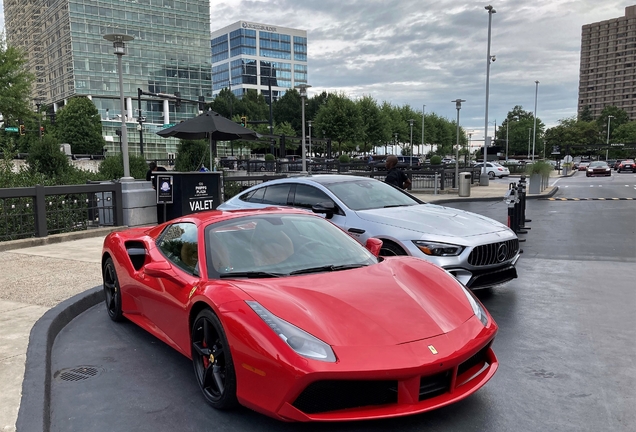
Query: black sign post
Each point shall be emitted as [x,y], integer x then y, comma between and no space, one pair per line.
[165,192]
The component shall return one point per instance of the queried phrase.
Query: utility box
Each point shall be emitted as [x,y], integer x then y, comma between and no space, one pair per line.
[66,149]
[464,184]
[192,192]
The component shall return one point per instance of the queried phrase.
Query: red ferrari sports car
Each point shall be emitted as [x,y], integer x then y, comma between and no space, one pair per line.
[283,312]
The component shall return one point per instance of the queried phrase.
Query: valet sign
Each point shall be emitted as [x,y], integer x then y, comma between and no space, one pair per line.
[201,199]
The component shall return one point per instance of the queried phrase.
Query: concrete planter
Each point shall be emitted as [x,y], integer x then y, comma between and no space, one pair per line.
[535,184]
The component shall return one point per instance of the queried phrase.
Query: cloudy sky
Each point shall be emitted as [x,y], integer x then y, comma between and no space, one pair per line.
[420,52]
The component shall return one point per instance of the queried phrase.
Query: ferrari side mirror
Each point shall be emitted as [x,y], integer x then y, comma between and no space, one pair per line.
[374,245]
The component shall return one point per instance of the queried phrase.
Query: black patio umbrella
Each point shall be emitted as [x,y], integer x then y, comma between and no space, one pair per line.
[209,125]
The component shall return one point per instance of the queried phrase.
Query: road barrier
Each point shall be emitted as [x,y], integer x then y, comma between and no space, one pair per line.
[516,199]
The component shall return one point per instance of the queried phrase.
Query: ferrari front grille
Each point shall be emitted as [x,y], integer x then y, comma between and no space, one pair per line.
[435,385]
[480,358]
[493,253]
[332,395]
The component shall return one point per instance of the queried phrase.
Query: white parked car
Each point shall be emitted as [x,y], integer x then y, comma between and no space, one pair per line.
[493,169]
[478,251]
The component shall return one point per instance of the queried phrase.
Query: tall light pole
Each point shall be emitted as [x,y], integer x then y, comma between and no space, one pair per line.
[302,88]
[507,124]
[609,121]
[423,142]
[529,131]
[411,158]
[534,134]
[309,124]
[483,178]
[119,43]
[458,106]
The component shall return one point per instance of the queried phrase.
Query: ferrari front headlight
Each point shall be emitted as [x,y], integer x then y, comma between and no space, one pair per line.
[299,340]
[477,307]
[438,249]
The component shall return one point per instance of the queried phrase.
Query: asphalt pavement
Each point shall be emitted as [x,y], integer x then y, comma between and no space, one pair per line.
[46,283]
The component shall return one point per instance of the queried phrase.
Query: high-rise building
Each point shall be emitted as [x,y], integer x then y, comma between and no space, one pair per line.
[608,65]
[67,53]
[248,55]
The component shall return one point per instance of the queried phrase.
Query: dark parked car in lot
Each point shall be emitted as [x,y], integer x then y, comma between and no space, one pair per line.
[627,165]
[404,162]
[598,168]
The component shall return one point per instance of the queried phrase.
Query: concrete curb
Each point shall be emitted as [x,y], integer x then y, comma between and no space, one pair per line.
[35,405]
[56,238]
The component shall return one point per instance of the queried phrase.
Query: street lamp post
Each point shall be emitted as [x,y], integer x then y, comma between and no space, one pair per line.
[411,158]
[423,142]
[302,88]
[609,121]
[534,135]
[309,124]
[38,104]
[394,143]
[507,123]
[119,44]
[458,106]
[483,178]
[529,131]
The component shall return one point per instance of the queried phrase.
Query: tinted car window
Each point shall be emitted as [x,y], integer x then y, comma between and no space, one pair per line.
[307,196]
[255,196]
[277,194]
[179,244]
[370,194]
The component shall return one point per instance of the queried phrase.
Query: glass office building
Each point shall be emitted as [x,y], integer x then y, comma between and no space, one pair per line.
[248,55]
[68,55]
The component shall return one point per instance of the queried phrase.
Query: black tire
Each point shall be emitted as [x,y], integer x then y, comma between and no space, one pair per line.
[619,171]
[212,361]
[391,249]
[112,291]
[491,174]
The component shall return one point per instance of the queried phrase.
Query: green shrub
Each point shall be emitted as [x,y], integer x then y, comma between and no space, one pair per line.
[270,157]
[542,168]
[191,155]
[113,167]
[344,158]
[436,160]
[230,188]
[45,157]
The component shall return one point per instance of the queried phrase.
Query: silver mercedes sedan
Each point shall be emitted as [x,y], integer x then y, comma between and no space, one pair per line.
[480,252]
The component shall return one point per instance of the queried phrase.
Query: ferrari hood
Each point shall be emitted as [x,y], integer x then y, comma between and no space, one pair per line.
[393,302]
[433,219]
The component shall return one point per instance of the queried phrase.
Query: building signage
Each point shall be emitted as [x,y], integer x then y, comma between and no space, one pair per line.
[259,27]
[165,189]
[201,200]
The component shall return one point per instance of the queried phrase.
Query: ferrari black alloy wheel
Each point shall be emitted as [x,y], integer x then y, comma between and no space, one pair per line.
[212,361]
[112,292]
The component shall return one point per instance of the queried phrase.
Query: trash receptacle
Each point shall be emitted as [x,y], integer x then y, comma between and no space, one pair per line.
[464,184]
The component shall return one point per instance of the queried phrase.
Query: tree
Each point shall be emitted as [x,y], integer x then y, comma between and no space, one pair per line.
[79,124]
[253,106]
[224,103]
[45,157]
[191,155]
[373,127]
[15,84]
[288,109]
[340,120]
[620,117]
[113,167]
[586,114]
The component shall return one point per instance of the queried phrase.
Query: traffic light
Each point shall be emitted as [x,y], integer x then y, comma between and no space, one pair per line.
[201,103]
[244,121]
[22,130]
[41,130]
[178,100]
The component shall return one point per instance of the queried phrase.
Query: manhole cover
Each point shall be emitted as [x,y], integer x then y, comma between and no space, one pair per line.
[78,373]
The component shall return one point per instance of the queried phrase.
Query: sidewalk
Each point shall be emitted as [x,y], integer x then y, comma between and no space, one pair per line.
[37,274]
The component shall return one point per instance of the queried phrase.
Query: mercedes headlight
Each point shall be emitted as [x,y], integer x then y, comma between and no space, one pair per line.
[438,249]
[590,169]
[299,340]
[478,309]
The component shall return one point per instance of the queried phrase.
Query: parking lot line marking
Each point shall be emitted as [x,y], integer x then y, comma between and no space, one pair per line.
[589,199]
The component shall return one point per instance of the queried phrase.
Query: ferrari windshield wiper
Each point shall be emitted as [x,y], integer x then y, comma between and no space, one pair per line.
[397,205]
[251,274]
[327,268]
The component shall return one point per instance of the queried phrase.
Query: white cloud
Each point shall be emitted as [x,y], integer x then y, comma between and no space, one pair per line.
[423,52]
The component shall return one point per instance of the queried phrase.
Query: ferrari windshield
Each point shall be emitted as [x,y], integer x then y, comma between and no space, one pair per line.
[366,194]
[274,245]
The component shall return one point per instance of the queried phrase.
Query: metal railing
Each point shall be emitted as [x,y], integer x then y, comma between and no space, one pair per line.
[42,210]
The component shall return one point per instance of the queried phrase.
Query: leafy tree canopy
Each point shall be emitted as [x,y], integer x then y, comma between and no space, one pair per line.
[79,124]
[15,84]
